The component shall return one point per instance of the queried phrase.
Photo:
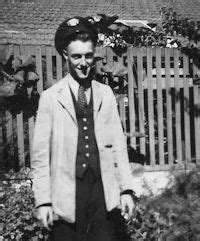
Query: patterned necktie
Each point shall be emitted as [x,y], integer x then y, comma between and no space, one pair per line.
[82,101]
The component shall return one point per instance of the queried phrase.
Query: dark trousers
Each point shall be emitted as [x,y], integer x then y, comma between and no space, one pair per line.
[93,222]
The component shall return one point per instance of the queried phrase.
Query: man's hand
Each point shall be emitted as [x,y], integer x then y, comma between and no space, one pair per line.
[127,206]
[45,215]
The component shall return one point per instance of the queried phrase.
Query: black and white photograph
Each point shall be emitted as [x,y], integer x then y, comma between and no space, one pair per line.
[100,120]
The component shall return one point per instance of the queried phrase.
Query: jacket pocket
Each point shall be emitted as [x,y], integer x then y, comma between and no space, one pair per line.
[108,146]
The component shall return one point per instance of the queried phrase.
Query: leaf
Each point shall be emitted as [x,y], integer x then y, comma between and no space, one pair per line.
[119,70]
[32,77]
[108,68]
[19,76]
[22,61]
[16,63]
[8,89]
[4,54]
[27,60]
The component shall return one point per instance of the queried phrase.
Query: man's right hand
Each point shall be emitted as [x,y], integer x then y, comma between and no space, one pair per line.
[45,215]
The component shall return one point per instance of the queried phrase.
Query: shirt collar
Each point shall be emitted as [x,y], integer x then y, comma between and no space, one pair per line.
[74,85]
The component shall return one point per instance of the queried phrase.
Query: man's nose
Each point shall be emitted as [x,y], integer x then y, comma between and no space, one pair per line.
[83,61]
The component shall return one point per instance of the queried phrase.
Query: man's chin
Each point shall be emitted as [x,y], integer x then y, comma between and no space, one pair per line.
[82,76]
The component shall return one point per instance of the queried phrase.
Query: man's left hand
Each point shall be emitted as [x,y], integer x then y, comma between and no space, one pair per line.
[127,206]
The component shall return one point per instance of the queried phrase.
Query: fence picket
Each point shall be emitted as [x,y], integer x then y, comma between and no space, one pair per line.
[131,99]
[169,107]
[150,107]
[196,89]
[187,139]
[49,65]
[9,123]
[140,74]
[160,107]
[177,86]
[121,102]
[20,129]
[9,134]
[31,119]
[39,69]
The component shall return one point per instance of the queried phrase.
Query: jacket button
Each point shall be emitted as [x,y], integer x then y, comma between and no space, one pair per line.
[85,128]
[87,154]
[83,165]
[86,146]
[84,119]
[86,137]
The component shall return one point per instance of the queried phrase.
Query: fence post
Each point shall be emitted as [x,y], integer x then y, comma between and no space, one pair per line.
[187,142]
[169,107]
[20,128]
[197,115]
[141,76]
[159,107]
[131,99]
[150,108]
[179,147]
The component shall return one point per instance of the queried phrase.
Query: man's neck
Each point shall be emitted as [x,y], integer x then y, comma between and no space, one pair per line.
[85,82]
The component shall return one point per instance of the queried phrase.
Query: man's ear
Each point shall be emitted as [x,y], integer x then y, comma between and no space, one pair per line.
[65,55]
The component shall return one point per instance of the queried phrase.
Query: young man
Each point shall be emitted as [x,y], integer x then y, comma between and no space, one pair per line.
[79,157]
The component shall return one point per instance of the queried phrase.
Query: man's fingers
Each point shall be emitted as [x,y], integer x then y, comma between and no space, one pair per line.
[44,220]
[127,206]
[124,208]
[45,215]
[50,218]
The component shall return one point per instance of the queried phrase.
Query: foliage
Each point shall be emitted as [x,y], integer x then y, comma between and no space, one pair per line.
[18,83]
[19,222]
[173,215]
[183,31]
[172,31]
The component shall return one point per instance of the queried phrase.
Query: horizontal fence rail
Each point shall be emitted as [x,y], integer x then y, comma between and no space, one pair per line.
[157,98]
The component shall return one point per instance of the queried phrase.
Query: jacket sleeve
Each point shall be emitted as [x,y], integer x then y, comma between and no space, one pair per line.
[123,168]
[40,156]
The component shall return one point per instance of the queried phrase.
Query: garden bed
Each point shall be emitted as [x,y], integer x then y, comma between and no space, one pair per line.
[171,215]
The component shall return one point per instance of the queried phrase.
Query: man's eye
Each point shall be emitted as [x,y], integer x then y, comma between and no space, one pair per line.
[89,56]
[76,56]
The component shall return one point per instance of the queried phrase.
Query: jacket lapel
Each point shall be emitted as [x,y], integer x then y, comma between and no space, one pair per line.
[65,99]
[97,98]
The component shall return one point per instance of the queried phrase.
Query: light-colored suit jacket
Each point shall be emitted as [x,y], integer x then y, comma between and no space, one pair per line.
[55,147]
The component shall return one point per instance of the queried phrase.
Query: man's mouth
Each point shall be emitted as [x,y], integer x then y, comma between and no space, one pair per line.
[84,69]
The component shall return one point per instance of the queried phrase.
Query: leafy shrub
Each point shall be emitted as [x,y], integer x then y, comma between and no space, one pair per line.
[19,221]
[174,215]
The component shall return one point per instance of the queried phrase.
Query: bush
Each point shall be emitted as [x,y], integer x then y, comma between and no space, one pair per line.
[172,216]
[19,221]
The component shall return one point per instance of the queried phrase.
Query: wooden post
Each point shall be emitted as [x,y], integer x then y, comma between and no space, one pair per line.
[196,71]
[187,144]
[159,108]
[131,95]
[20,128]
[140,74]
[179,155]
[150,108]
[169,107]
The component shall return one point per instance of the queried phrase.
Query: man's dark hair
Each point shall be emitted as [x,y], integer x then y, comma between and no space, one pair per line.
[65,35]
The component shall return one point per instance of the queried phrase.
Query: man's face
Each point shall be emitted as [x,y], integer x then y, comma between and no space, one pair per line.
[80,57]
